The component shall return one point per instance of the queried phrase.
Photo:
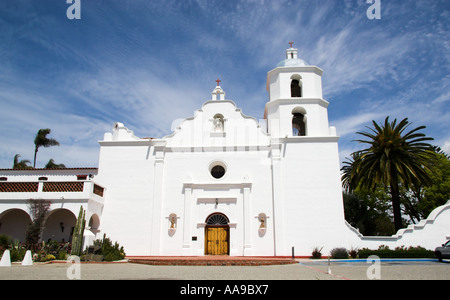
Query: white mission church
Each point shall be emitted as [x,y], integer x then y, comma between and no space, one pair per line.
[220,184]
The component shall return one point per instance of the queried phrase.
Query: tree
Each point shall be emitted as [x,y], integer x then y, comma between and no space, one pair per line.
[348,178]
[22,164]
[394,159]
[52,165]
[438,193]
[369,211]
[420,201]
[41,140]
[38,210]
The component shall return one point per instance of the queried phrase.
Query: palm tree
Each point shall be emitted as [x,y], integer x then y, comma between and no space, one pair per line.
[349,171]
[52,165]
[394,158]
[41,140]
[22,164]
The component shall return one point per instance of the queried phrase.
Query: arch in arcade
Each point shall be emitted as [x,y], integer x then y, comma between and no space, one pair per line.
[59,226]
[14,223]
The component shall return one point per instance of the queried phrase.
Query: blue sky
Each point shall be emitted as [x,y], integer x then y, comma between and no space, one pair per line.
[146,63]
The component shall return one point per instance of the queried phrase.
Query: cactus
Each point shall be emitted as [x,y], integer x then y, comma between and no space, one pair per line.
[77,239]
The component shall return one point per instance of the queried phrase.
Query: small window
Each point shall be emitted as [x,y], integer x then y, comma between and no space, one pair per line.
[43,178]
[3,179]
[217,169]
[81,177]
[218,172]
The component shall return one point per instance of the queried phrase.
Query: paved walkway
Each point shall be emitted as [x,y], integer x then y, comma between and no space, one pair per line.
[304,270]
[210,260]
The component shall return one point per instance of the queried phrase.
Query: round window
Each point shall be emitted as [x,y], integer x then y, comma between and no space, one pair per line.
[218,171]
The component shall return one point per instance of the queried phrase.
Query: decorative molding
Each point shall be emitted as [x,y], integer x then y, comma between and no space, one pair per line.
[298,101]
[217,185]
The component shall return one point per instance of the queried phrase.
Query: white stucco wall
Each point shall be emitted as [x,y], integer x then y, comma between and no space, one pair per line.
[293,181]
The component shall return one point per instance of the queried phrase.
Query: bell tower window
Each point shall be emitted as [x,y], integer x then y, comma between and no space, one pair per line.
[296,86]
[296,89]
[299,121]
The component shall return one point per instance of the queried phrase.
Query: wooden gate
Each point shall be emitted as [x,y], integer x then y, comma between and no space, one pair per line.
[217,240]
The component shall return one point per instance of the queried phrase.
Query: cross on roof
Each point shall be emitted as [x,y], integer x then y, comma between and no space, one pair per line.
[291,43]
[218,81]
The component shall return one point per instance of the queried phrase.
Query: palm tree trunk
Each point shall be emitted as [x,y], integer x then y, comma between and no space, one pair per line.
[35,154]
[396,205]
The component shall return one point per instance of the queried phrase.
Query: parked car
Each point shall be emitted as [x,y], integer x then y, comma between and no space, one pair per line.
[443,252]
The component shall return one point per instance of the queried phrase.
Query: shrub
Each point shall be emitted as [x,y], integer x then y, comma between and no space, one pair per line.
[17,254]
[50,257]
[353,252]
[317,253]
[399,252]
[339,253]
[109,251]
[62,255]
[4,242]
[41,251]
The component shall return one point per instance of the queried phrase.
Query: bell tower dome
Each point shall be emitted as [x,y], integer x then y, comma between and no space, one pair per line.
[295,106]
[290,72]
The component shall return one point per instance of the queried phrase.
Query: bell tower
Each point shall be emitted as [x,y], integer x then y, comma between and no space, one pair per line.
[295,106]
[306,184]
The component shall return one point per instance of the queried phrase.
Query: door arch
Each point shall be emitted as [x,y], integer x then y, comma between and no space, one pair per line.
[217,235]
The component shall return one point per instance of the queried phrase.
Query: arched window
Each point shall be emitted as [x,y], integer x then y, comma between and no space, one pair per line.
[94,222]
[299,121]
[217,219]
[296,88]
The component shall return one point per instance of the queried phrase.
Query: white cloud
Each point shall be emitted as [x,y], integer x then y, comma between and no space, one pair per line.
[354,123]
[25,111]
[442,98]
[446,147]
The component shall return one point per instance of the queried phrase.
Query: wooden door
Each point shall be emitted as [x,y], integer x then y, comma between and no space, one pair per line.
[217,240]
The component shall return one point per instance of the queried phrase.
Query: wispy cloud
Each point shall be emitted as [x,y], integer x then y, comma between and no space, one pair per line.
[147,63]
[25,111]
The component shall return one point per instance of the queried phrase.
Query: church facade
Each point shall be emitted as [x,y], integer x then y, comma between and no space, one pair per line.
[221,184]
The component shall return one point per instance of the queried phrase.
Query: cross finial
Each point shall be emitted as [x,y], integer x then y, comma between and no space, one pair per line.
[218,81]
[291,43]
